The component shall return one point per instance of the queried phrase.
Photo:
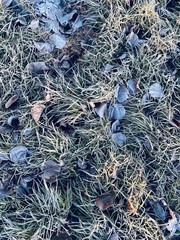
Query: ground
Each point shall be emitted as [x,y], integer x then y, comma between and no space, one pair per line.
[70,131]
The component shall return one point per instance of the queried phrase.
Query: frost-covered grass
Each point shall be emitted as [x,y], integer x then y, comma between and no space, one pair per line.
[70,130]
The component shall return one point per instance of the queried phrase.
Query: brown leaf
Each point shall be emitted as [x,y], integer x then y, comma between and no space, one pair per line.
[130,207]
[105,201]
[36,111]
[11,101]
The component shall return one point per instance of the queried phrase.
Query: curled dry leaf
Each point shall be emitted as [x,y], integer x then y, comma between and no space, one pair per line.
[105,201]
[50,169]
[44,47]
[34,24]
[156,91]
[160,210]
[58,40]
[134,40]
[37,110]
[101,109]
[118,138]
[133,86]
[18,155]
[13,121]
[11,101]
[121,93]
[130,207]
[116,112]
[37,68]
[116,126]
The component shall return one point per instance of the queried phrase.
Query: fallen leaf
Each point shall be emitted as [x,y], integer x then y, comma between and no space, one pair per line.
[13,121]
[145,98]
[159,210]
[173,224]
[58,40]
[77,24]
[116,112]
[101,109]
[134,40]
[115,126]
[44,47]
[118,138]
[81,164]
[5,129]
[34,24]
[105,201]
[50,169]
[37,67]
[11,101]
[108,68]
[132,86]
[114,236]
[156,91]
[27,132]
[130,207]
[18,155]
[37,110]
[6,3]
[121,93]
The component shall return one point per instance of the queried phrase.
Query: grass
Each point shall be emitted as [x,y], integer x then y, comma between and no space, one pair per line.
[148,162]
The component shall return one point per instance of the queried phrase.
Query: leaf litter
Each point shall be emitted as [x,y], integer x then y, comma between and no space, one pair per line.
[121,93]
[105,201]
[12,100]
[134,40]
[19,154]
[37,110]
[156,90]
[50,169]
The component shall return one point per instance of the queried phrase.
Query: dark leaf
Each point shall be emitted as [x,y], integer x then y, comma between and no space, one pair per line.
[132,86]
[134,40]
[50,169]
[105,201]
[13,121]
[6,129]
[18,154]
[159,210]
[11,101]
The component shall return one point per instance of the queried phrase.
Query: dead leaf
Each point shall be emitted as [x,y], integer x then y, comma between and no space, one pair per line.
[101,109]
[116,126]
[173,224]
[50,169]
[156,91]
[145,98]
[118,138]
[13,121]
[34,24]
[160,210]
[105,201]
[37,110]
[11,101]
[18,155]
[130,207]
[44,47]
[121,93]
[133,86]
[134,40]
[58,40]
[37,68]
[81,164]
[5,129]
[116,112]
